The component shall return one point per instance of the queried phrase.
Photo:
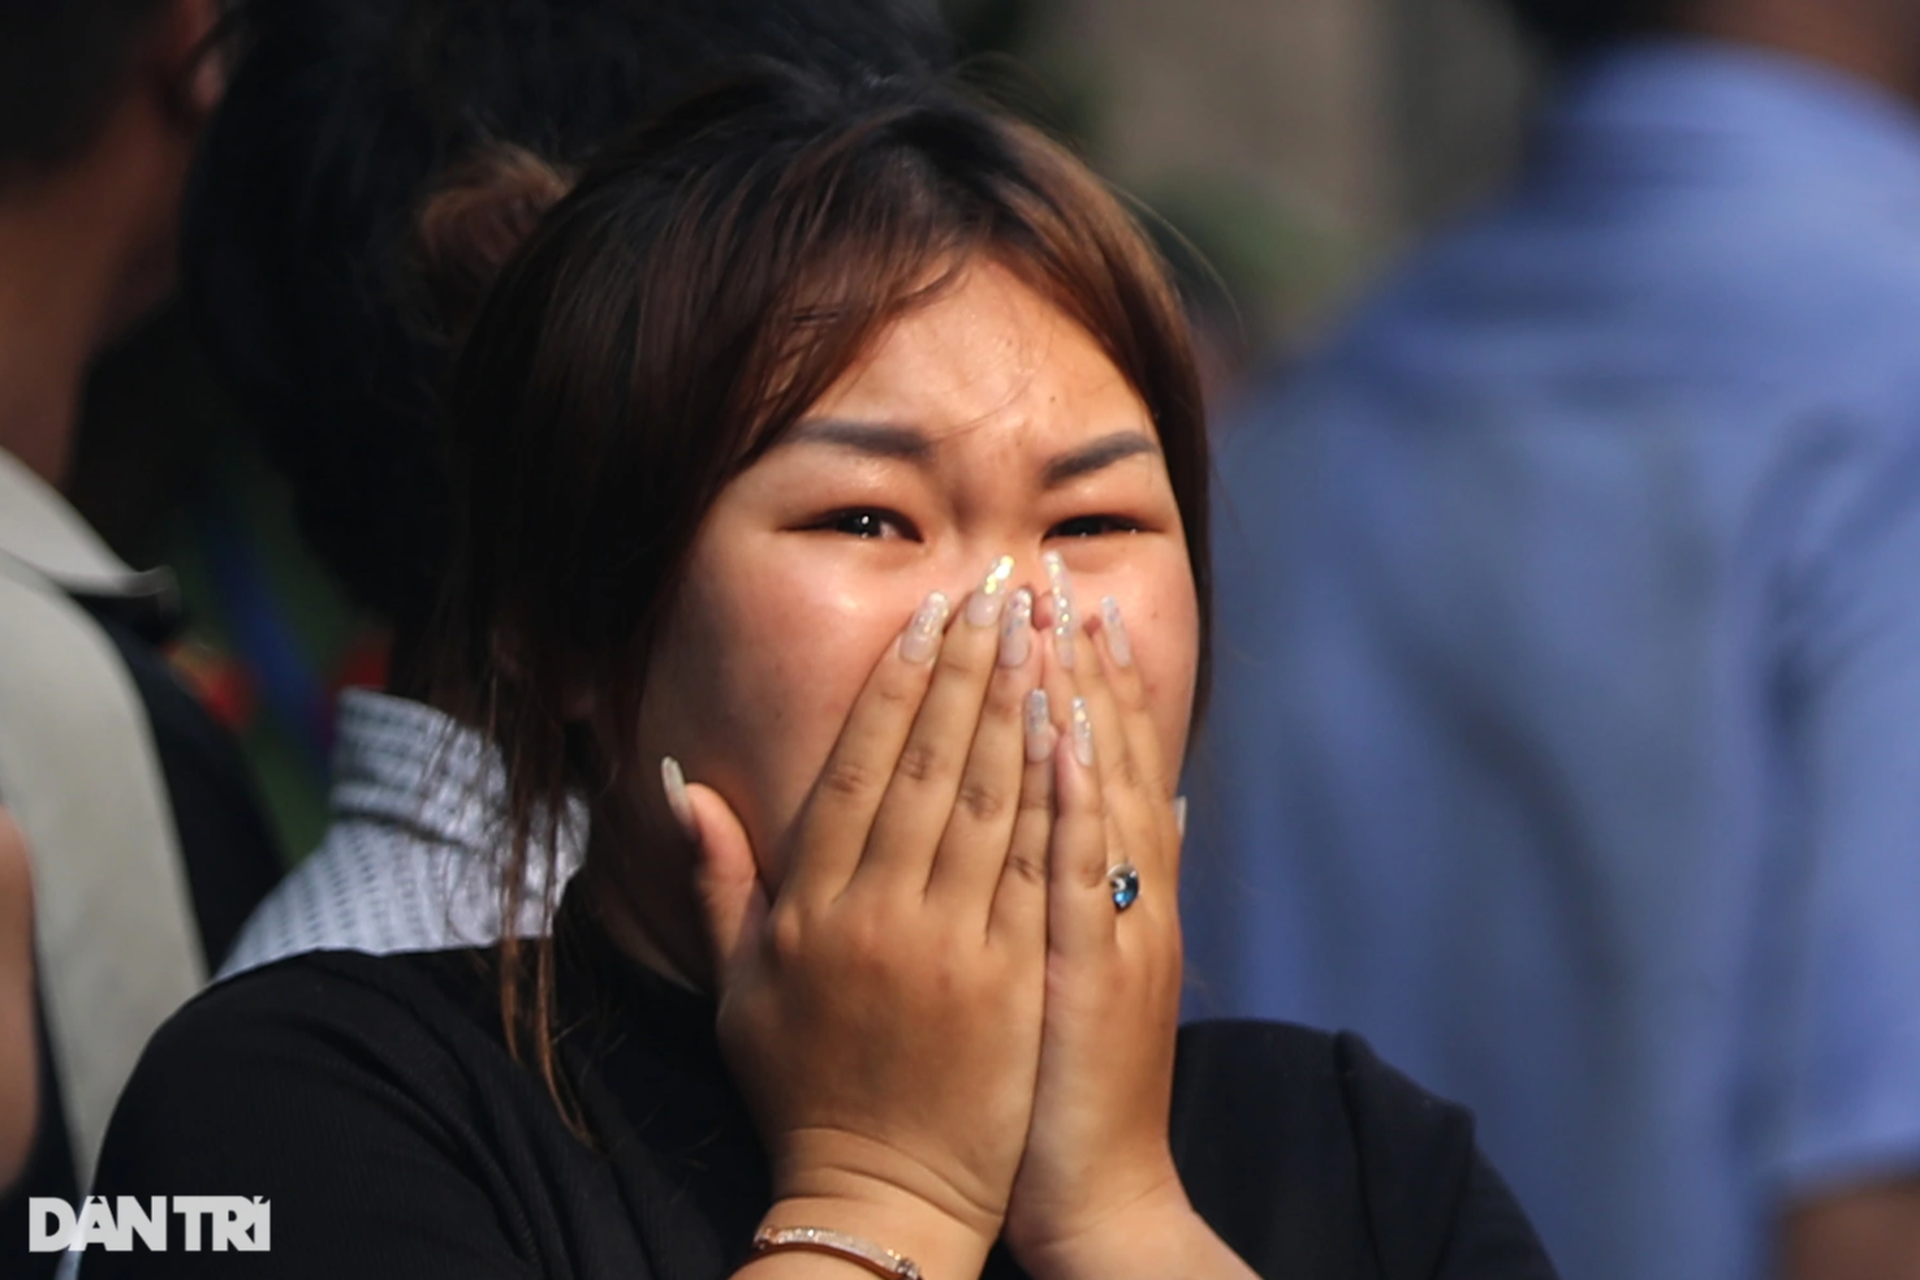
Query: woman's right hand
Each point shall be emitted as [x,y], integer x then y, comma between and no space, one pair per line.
[882,1013]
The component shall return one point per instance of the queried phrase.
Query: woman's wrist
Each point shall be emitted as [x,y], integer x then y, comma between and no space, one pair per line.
[941,1245]
[875,1191]
[1152,1239]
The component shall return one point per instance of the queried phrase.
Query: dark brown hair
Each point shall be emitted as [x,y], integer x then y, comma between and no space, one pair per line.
[61,66]
[665,322]
[342,114]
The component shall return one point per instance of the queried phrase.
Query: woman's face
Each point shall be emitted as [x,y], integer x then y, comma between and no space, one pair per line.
[983,424]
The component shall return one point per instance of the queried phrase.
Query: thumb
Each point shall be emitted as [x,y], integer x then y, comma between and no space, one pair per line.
[726,877]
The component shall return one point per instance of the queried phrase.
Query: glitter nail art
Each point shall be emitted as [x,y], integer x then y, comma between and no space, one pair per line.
[1060,589]
[984,605]
[1082,733]
[1116,628]
[1039,726]
[1016,629]
[922,638]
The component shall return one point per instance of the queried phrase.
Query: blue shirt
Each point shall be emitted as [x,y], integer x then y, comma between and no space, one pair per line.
[1566,738]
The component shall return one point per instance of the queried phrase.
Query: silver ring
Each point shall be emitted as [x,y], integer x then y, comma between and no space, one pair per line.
[1123,881]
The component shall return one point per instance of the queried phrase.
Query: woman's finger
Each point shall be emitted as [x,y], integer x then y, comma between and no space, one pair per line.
[1020,898]
[1136,819]
[726,876]
[1142,794]
[974,847]
[921,794]
[1109,631]
[1075,649]
[1080,914]
[833,827]
[1120,775]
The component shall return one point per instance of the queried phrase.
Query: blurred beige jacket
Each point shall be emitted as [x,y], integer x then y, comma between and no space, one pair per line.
[116,944]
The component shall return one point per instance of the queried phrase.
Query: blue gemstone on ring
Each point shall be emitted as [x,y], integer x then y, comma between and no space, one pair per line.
[1124,881]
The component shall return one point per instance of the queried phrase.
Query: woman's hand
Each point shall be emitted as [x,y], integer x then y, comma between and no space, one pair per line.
[1098,1194]
[882,1012]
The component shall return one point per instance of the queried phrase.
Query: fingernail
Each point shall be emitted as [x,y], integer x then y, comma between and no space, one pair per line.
[1117,643]
[674,782]
[1061,589]
[1016,629]
[1180,815]
[1039,726]
[984,605]
[1082,733]
[922,638]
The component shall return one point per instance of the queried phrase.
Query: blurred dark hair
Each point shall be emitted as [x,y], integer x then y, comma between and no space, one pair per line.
[342,115]
[704,284]
[1571,28]
[61,63]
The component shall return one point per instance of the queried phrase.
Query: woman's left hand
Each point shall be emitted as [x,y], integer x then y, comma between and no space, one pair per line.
[1097,1193]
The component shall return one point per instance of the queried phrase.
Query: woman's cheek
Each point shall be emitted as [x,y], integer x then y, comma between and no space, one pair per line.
[1166,652]
[805,677]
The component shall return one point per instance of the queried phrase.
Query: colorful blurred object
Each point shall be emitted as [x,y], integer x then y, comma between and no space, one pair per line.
[224,686]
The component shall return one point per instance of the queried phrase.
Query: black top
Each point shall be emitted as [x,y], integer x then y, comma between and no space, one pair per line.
[228,849]
[374,1101]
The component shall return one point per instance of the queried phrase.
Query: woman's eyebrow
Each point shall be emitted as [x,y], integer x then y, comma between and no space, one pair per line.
[1095,456]
[893,440]
[881,439]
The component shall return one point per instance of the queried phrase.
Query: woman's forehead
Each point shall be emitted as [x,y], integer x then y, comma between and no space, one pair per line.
[1055,458]
[988,355]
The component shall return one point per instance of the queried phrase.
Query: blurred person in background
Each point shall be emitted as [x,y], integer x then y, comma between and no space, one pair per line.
[150,844]
[1567,740]
[344,117]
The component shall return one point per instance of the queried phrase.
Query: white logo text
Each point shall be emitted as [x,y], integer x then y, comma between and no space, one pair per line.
[218,1223]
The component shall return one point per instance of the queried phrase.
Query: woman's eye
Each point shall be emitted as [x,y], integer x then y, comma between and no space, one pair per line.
[867,523]
[1092,527]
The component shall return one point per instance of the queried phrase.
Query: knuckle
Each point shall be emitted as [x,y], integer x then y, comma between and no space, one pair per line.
[958,658]
[920,761]
[899,692]
[787,935]
[848,779]
[1027,868]
[982,802]
[1006,699]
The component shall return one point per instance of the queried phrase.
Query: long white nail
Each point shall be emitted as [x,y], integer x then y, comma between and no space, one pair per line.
[984,605]
[921,640]
[1016,629]
[1039,726]
[674,782]
[1180,815]
[1117,643]
[1060,585]
[1082,733]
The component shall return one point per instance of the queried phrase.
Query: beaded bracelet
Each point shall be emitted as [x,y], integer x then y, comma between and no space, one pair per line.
[882,1262]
